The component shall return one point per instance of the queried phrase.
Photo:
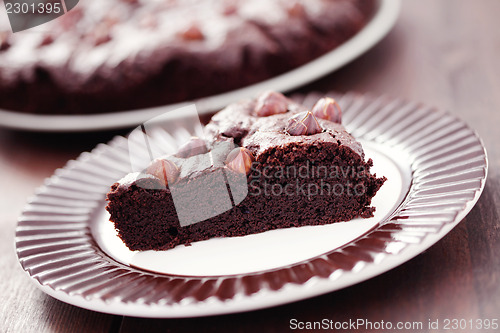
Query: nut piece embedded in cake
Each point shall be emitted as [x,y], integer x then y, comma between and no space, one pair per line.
[296,10]
[327,108]
[101,34]
[230,9]
[164,169]
[240,160]
[4,40]
[46,40]
[193,33]
[270,103]
[194,146]
[304,123]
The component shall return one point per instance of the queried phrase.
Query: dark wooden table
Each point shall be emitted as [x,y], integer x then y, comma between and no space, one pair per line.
[444,53]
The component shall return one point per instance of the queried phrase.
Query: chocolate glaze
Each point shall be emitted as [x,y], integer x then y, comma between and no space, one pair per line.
[259,134]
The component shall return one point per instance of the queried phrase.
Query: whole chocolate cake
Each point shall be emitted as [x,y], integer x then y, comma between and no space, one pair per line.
[265,164]
[116,55]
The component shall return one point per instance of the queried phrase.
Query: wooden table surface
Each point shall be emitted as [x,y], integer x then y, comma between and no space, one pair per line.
[441,52]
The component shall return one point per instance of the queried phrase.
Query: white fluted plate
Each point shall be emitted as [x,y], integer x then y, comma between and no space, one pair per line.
[436,168]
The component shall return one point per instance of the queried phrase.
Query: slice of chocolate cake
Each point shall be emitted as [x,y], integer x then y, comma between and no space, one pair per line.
[266,164]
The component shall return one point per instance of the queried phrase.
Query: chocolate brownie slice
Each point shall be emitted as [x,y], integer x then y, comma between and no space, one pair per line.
[266,164]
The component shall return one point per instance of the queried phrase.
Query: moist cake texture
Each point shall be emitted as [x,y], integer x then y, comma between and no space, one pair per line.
[282,165]
[115,55]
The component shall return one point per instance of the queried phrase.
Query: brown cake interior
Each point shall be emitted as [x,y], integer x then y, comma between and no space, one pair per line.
[147,219]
